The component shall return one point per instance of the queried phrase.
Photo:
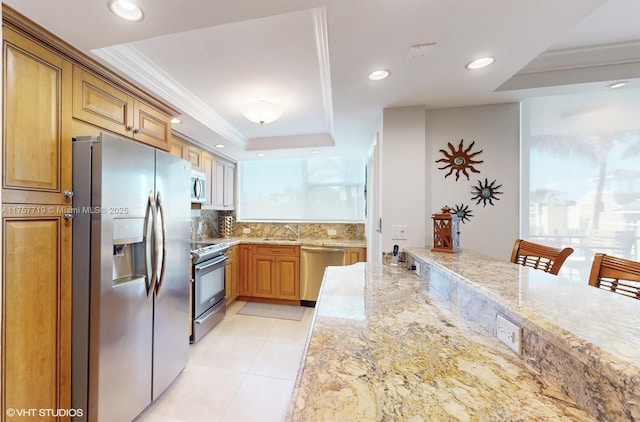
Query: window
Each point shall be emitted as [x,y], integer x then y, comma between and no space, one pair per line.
[315,189]
[581,173]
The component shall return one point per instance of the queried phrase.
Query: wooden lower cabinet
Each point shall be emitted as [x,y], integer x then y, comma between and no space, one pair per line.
[231,275]
[355,255]
[245,284]
[36,309]
[270,272]
[276,277]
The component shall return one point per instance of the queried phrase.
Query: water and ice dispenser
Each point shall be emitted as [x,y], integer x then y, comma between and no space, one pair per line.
[128,250]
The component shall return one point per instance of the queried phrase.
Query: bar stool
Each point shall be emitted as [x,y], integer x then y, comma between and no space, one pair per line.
[618,275]
[538,256]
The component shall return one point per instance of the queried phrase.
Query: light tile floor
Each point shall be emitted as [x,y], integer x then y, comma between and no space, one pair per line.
[242,371]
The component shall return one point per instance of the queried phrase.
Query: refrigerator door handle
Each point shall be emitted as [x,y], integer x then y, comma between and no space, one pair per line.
[151,237]
[163,228]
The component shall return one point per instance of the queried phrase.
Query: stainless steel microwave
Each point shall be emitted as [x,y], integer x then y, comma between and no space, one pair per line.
[198,187]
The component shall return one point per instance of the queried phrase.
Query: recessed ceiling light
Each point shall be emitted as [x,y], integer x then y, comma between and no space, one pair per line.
[617,85]
[175,121]
[315,151]
[126,9]
[379,75]
[480,63]
[219,146]
[260,154]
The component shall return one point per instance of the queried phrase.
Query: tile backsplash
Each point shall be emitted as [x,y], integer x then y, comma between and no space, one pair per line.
[206,224]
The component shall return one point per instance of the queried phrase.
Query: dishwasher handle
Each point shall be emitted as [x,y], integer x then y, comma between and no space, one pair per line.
[322,249]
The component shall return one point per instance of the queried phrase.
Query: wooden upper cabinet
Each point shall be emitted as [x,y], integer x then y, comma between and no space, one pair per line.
[37,117]
[177,147]
[100,103]
[223,185]
[150,125]
[208,161]
[194,155]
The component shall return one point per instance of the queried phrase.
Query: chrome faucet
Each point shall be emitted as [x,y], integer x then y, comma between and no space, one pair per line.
[296,232]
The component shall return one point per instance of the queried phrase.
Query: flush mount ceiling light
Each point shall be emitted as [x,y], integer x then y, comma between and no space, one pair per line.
[175,121]
[126,9]
[219,146]
[617,85]
[379,75]
[480,63]
[262,112]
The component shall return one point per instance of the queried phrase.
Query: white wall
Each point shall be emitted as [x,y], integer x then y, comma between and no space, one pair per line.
[496,131]
[413,188]
[403,187]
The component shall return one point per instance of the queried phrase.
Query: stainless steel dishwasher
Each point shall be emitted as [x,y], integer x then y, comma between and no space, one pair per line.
[313,261]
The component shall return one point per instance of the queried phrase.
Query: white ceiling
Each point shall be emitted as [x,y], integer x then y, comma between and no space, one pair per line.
[209,58]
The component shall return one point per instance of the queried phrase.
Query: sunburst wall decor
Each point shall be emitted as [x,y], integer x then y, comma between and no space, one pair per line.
[486,192]
[459,160]
[462,211]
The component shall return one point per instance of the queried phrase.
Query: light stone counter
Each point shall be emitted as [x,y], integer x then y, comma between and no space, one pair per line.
[385,347]
[346,243]
[584,340]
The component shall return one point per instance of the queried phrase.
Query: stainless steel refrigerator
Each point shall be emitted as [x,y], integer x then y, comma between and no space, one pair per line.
[131,231]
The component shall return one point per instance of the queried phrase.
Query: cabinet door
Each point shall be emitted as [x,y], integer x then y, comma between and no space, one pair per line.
[178,148]
[231,275]
[208,169]
[151,126]
[218,187]
[97,102]
[263,276]
[194,155]
[355,255]
[229,186]
[287,278]
[245,273]
[36,304]
[37,118]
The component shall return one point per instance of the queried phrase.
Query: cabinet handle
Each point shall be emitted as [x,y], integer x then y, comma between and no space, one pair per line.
[68,216]
[136,130]
[68,194]
[129,128]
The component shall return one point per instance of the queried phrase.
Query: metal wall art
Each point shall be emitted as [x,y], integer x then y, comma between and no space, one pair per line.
[459,160]
[486,192]
[462,211]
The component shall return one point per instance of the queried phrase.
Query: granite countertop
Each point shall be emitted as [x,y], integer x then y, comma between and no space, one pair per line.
[594,320]
[383,347]
[347,243]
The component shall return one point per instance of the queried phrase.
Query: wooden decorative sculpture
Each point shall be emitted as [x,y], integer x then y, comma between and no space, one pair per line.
[463,212]
[486,192]
[446,234]
[459,160]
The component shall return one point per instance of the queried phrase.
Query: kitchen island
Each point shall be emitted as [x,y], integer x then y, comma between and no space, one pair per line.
[387,344]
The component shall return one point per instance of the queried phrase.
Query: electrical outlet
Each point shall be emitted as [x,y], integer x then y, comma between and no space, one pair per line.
[509,333]
[332,232]
[246,230]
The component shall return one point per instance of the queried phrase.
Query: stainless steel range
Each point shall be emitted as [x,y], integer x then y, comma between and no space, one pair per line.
[208,288]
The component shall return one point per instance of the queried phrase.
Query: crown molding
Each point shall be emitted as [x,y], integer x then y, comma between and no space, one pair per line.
[322,49]
[136,65]
[311,140]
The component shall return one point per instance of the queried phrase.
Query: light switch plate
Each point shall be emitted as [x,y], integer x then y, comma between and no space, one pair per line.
[509,333]
[246,230]
[332,232]
[399,232]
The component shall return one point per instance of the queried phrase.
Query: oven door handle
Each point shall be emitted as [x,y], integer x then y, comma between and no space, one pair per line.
[211,262]
[163,228]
